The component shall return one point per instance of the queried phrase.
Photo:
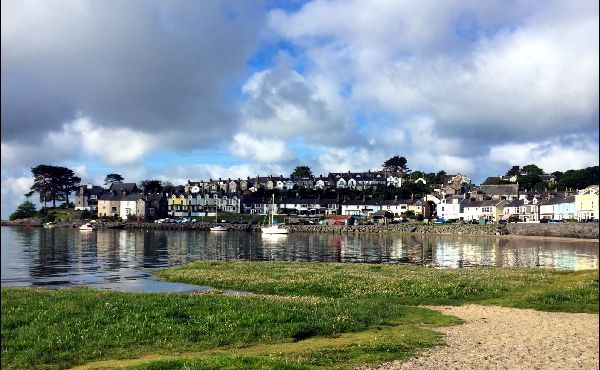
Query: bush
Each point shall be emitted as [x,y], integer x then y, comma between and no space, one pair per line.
[24,210]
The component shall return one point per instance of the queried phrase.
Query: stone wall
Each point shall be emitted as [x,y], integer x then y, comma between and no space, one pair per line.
[565,230]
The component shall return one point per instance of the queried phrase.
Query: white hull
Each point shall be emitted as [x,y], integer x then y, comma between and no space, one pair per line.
[218,228]
[273,230]
[87,227]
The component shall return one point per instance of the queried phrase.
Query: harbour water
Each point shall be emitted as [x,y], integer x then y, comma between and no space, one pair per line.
[125,259]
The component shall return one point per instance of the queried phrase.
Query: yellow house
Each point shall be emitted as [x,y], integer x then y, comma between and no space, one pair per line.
[586,203]
[177,203]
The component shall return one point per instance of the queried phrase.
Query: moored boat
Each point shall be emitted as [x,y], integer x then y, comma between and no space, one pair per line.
[87,227]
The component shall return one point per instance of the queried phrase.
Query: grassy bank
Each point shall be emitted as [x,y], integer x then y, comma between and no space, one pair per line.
[311,315]
[542,289]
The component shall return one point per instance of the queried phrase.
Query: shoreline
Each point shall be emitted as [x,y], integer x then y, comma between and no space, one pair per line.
[563,232]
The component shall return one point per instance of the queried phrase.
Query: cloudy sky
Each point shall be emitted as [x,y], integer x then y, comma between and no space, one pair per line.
[180,90]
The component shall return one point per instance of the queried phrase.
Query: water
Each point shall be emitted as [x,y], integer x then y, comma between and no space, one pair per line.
[125,259]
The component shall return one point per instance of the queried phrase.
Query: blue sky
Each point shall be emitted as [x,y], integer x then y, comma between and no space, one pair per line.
[182,90]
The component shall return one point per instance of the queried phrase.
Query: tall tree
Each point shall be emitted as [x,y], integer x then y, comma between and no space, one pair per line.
[53,183]
[301,172]
[112,178]
[396,164]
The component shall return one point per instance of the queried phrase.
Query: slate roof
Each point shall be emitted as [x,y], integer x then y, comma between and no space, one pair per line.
[499,190]
[129,187]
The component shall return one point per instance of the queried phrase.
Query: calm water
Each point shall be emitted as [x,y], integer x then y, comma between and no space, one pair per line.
[124,260]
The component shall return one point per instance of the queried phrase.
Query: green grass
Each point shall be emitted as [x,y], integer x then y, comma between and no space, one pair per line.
[62,328]
[309,315]
[542,289]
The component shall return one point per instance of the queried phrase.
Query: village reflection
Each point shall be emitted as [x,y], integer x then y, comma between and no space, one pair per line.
[71,257]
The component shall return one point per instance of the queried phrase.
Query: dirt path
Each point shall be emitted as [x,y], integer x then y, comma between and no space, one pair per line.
[506,338]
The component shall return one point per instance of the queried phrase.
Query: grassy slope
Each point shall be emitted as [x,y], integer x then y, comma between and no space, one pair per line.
[323,315]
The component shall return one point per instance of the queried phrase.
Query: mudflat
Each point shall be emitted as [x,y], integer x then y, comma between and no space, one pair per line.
[495,337]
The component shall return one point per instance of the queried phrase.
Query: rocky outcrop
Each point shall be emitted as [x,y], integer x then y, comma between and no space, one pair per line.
[24,222]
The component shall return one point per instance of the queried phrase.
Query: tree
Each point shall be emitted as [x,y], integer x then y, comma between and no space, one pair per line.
[24,210]
[112,178]
[514,171]
[301,172]
[151,186]
[495,181]
[532,169]
[53,183]
[396,164]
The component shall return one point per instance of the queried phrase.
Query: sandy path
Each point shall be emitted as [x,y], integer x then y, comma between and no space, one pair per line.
[506,338]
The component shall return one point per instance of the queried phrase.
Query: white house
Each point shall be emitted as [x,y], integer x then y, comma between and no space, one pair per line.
[452,207]
[128,205]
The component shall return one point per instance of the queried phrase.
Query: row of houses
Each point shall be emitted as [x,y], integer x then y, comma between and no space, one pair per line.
[334,180]
[582,205]
[453,202]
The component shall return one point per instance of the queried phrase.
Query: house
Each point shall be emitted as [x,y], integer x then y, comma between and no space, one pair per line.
[178,204]
[558,208]
[452,207]
[525,209]
[109,204]
[586,203]
[383,217]
[361,208]
[491,210]
[152,206]
[86,198]
[128,206]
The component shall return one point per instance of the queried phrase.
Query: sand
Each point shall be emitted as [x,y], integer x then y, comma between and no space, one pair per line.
[495,337]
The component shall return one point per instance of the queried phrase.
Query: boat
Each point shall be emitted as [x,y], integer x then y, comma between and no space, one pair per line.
[272,228]
[50,224]
[217,227]
[87,227]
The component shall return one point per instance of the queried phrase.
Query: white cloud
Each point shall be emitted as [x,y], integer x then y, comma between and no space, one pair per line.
[482,74]
[13,193]
[551,155]
[260,149]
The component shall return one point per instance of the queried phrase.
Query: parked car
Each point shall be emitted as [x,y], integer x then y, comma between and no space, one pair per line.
[502,222]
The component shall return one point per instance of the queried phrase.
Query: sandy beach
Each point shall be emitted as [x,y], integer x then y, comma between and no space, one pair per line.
[495,337]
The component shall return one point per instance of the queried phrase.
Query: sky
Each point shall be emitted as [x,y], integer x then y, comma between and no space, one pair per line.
[191,90]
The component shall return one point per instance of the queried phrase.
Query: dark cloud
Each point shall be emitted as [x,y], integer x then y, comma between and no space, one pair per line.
[147,65]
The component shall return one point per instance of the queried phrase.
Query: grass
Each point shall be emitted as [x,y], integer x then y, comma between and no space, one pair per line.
[542,289]
[310,315]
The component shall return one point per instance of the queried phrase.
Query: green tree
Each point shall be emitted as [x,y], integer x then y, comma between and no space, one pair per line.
[53,183]
[396,164]
[532,169]
[112,178]
[24,210]
[151,186]
[579,179]
[301,172]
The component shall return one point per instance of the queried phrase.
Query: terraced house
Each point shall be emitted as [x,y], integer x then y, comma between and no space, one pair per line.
[586,203]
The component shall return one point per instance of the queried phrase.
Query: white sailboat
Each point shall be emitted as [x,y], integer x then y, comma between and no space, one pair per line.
[217,227]
[272,228]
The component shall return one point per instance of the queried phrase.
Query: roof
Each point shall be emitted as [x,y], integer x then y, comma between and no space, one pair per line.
[337,217]
[506,189]
[482,203]
[515,203]
[123,186]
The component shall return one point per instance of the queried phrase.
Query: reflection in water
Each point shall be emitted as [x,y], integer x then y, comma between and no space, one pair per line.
[123,259]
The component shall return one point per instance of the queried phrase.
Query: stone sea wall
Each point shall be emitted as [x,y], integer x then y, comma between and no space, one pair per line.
[565,230]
